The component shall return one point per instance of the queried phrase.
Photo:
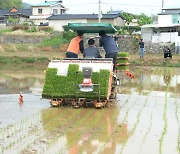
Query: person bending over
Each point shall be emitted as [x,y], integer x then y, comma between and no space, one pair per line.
[109,46]
[76,45]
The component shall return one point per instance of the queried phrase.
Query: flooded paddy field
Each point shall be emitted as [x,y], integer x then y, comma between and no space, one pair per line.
[145,119]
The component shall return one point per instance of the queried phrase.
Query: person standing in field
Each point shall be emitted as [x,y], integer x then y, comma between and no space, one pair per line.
[141,48]
[109,46]
[76,45]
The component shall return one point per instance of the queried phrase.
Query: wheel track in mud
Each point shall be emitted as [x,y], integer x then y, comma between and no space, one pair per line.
[67,126]
[118,126]
[150,126]
[113,118]
[56,128]
[138,115]
[92,123]
[82,122]
[137,121]
[125,117]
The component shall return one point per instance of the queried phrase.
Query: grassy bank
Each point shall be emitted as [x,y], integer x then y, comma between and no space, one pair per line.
[19,60]
[55,48]
[33,54]
[154,60]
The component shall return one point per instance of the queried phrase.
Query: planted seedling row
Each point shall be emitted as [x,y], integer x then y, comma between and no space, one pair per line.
[131,132]
[165,119]
[177,113]
[118,127]
[21,133]
[51,128]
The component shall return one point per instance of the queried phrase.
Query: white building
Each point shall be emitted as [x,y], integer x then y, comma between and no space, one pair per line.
[40,12]
[166,31]
[58,21]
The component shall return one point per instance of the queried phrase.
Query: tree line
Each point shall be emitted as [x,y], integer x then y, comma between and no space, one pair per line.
[7,4]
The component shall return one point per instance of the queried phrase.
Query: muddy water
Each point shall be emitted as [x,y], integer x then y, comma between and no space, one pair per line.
[145,119]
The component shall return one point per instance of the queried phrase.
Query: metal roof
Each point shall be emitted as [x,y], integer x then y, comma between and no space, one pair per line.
[47,3]
[25,12]
[116,12]
[159,25]
[82,16]
[92,27]
[170,11]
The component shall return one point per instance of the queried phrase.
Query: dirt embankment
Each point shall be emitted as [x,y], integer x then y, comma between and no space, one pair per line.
[19,37]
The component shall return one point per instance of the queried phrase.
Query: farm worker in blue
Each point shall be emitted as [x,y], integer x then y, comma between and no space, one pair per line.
[141,48]
[109,46]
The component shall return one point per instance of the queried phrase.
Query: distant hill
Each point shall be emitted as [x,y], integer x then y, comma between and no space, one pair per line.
[26,5]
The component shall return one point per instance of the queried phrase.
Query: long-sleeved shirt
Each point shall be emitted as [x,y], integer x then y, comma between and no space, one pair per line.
[108,44]
[76,45]
[91,52]
[141,44]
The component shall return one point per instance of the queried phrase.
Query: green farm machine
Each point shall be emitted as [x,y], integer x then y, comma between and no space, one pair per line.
[81,82]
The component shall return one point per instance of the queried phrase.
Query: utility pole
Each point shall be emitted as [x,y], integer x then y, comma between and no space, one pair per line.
[99,12]
[162,5]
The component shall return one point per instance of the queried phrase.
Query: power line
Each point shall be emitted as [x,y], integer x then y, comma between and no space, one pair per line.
[81,4]
[131,4]
[113,4]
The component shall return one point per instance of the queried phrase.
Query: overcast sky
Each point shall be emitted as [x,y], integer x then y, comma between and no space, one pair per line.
[149,7]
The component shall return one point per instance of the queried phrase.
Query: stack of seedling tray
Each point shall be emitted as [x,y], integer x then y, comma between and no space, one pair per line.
[122,60]
[66,87]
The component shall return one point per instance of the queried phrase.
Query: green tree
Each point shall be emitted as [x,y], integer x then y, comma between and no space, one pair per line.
[128,17]
[7,4]
[143,19]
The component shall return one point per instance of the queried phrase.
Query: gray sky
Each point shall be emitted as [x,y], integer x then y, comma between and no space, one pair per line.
[149,7]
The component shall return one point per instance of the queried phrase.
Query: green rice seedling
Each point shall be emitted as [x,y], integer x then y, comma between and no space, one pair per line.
[123,54]
[122,61]
[67,86]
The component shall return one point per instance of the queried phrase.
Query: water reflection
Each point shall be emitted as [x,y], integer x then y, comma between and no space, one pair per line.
[167,79]
[25,81]
[86,130]
[151,83]
[141,78]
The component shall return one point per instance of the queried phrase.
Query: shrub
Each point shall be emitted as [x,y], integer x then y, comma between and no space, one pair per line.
[123,30]
[43,59]
[45,28]
[19,27]
[33,29]
[29,59]
[55,42]
[68,35]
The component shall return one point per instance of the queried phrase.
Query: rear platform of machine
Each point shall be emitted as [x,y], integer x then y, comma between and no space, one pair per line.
[79,82]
